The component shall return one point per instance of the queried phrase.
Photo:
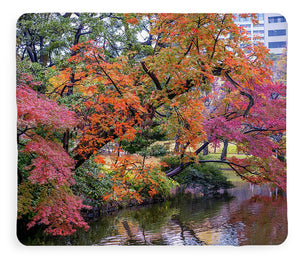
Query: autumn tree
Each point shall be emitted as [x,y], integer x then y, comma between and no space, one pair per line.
[44,168]
[126,73]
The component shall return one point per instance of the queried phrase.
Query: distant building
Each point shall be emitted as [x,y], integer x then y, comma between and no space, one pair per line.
[271,30]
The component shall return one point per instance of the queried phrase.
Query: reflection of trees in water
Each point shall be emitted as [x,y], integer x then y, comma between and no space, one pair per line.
[142,225]
[171,222]
[264,219]
[252,217]
[187,234]
[166,223]
[244,219]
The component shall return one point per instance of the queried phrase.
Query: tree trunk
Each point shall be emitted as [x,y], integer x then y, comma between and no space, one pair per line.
[205,150]
[224,151]
[66,141]
[178,169]
[70,89]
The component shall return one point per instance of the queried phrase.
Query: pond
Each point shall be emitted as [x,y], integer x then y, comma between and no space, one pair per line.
[244,215]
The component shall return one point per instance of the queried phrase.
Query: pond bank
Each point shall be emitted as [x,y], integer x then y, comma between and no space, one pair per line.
[242,216]
[115,206]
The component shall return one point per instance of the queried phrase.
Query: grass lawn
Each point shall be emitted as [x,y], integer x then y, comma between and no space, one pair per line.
[232,176]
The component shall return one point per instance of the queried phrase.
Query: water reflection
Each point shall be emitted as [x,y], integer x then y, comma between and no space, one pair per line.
[246,215]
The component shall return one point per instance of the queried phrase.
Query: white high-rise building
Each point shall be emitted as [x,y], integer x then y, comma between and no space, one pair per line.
[272,31]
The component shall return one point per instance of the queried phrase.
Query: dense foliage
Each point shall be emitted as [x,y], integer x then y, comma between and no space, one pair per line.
[86,81]
[207,177]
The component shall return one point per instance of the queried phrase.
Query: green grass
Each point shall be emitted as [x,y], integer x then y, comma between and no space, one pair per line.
[215,154]
[227,171]
[232,149]
[231,176]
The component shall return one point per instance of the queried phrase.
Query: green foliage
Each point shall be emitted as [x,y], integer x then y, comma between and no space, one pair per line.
[41,74]
[231,149]
[207,176]
[24,160]
[142,141]
[89,185]
[161,183]
[158,150]
[138,144]
[71,101]
[171,162]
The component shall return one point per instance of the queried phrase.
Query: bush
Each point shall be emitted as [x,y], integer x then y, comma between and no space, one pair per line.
[158,150]
[154,182]
[90,186]
[171,162]
[207,176]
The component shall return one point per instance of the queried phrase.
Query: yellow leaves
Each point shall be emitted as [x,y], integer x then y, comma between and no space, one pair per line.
[56,83]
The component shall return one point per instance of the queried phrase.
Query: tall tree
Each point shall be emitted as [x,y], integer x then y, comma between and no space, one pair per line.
[125,71]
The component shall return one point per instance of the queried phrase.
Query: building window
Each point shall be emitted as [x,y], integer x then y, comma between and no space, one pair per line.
[258,25]
[260,17]
[240,19]
[246,25]
[258,31]
[277,44]
[276,19]
[276,32]
[259,38]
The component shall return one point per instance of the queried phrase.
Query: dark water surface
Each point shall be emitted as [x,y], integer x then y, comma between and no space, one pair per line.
[246,215]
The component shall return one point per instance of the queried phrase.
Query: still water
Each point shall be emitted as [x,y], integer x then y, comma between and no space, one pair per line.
[245,215]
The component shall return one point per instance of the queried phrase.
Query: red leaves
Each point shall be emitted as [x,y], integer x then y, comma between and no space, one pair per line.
[60,212]
[260,134]
[58,208]
[109,117]
[36,110]
[120,97]
[51,164]
[262,170]
[51,168]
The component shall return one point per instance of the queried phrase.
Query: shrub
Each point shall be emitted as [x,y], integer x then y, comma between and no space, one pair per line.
[158,150]
[170,162]
[89,185]
[155,184]
[207,176]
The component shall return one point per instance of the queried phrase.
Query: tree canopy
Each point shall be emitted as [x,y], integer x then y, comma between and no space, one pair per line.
[85,80]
